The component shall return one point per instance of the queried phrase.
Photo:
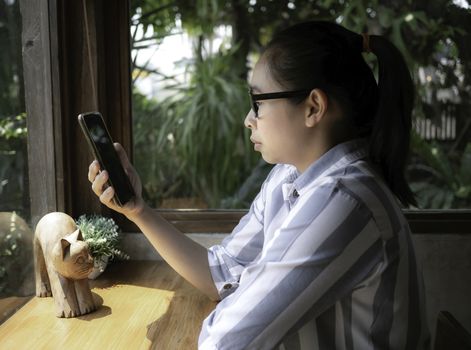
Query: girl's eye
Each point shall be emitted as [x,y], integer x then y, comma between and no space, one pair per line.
[257,108]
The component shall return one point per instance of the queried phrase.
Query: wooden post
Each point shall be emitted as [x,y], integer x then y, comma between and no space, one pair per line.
[43,147]
[76,58]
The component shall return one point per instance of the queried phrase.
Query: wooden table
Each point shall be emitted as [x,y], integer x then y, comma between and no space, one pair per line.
[145,305]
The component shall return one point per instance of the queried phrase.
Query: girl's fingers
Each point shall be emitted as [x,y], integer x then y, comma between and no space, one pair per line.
[106,193]
[99,182]
[93,170]
[107,196]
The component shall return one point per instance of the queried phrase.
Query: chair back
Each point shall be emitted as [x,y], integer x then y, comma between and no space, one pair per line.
[450,334]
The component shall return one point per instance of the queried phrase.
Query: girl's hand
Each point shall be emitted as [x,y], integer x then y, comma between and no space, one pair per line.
[106,193]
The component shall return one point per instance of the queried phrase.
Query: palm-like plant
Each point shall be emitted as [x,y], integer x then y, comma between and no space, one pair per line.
[206,123]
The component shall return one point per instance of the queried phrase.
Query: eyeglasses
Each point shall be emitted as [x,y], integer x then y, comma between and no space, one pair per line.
[274,95]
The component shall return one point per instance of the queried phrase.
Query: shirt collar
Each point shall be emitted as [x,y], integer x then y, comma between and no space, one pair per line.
[337,157]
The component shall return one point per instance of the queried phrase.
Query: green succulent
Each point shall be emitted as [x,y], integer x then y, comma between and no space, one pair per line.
[102,235]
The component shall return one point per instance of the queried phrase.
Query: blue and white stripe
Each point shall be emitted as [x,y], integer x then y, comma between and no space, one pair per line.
[322,260]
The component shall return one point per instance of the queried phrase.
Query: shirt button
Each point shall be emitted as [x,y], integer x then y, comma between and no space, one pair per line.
[227,286]
[295,194]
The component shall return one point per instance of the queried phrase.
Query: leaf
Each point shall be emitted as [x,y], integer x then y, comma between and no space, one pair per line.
[465,169]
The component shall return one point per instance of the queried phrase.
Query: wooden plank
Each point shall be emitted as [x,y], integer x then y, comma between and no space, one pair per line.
[79,78]
[143,305]
[194,221]
[8,306]
[439,221]
[117,67]
[60,142]
[224,221]
[93,67]
[42,144]
[75,59]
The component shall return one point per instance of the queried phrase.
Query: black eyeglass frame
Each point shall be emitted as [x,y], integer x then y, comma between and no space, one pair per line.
[275,95]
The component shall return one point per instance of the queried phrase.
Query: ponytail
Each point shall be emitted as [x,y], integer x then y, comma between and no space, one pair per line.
[390,134]
[329,56]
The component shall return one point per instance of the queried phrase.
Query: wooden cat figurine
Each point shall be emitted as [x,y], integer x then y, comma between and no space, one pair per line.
[62,265]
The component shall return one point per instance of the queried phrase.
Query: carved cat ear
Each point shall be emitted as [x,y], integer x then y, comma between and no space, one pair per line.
[79,235]
[75,236]
[65,245]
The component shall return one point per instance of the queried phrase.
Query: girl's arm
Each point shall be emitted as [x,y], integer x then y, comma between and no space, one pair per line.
[185,256]
[188,258]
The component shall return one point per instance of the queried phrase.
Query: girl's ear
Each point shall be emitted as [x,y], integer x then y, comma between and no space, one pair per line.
[317,103]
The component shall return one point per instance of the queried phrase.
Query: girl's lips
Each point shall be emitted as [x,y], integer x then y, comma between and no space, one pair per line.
[256,144]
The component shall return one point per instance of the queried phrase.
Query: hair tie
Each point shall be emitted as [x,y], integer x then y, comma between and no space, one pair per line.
[366,42]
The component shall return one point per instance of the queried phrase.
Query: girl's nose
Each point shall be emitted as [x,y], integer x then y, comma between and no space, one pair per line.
[250,121]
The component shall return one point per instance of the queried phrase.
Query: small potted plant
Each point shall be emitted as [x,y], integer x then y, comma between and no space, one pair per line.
[103,238]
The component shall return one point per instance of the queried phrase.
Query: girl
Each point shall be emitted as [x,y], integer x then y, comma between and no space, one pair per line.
[324,257]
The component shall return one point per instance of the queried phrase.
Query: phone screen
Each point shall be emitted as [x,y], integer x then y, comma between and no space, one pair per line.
[96,131]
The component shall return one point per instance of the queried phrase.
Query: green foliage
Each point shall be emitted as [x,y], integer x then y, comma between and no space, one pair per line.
[13,165]
[169,148]
[102,235]
[441,181]
[243,197]
[433,36]
[11,255]
[201,16]
[155,153]
[13,151]
[208,129]
[156,14]
[16,251]
[11,73]
[12,130]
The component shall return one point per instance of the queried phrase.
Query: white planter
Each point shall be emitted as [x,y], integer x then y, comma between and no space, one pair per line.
[99,265]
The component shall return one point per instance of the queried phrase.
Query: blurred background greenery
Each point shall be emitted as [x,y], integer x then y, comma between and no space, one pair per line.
[189,144]
[13,156]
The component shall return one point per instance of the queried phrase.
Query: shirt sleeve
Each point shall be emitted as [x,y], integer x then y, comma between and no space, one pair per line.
[327,244]
[240,248]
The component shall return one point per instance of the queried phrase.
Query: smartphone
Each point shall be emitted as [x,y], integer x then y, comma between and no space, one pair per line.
[99,139]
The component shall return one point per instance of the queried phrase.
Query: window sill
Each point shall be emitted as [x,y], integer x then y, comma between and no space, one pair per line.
[223,221]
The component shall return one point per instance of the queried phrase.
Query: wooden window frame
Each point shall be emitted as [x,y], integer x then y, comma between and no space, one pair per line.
[76,58]
[223,221]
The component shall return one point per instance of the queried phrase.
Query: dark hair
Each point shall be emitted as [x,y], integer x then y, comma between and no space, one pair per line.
[327,56]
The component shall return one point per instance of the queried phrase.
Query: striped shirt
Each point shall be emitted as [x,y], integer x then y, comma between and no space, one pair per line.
[322,260]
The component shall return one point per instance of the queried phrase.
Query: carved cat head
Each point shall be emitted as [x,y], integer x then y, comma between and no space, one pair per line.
[71,257]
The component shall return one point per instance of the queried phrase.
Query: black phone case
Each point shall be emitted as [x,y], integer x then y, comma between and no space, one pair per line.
[122,186]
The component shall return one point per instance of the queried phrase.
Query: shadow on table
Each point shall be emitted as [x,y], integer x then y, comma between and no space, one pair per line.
[180,325]
[100,312]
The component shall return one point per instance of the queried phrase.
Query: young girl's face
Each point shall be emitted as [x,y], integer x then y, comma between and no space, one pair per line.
[278,131]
